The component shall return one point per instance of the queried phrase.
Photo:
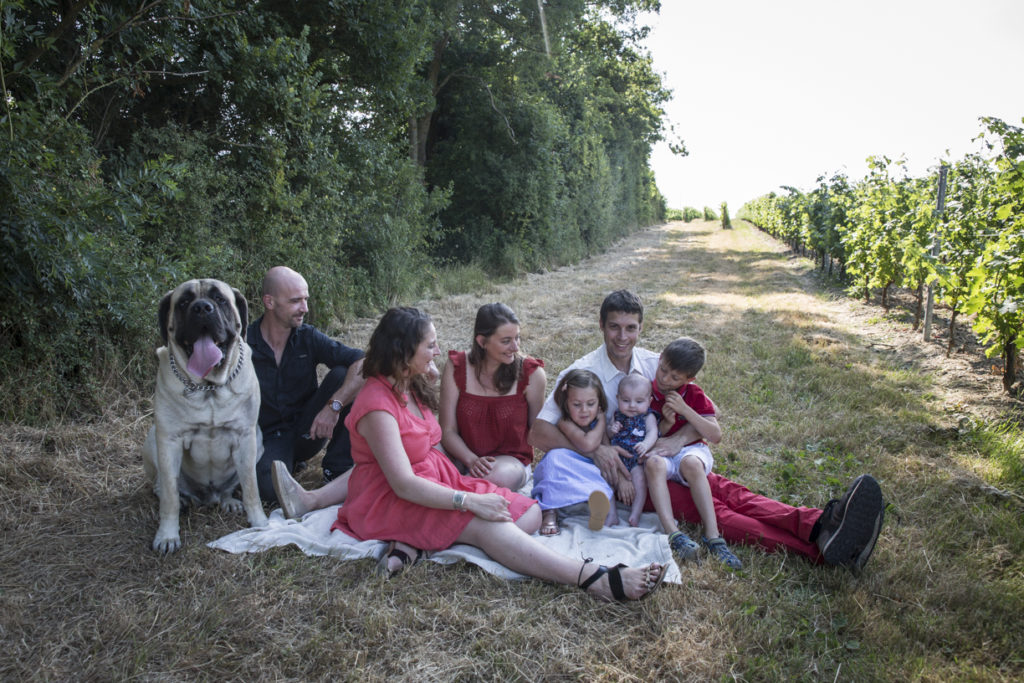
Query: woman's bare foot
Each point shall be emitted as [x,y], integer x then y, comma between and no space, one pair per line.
[549,523]
[636,583]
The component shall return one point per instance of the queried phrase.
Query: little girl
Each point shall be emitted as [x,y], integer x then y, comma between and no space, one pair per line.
[581,399]
[635,429]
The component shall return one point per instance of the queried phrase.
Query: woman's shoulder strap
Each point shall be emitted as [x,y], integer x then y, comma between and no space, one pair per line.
[458,361]
[529,365]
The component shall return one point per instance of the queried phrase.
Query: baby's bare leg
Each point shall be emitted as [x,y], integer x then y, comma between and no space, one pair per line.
[613,515]
[640,484]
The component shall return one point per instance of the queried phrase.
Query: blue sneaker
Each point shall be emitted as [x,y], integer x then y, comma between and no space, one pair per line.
[719,548]
[683,546]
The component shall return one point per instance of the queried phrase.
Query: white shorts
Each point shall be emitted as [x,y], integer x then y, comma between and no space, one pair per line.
[699,450]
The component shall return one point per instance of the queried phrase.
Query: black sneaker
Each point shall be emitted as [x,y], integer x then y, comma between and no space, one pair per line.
[850,525]
[865,554]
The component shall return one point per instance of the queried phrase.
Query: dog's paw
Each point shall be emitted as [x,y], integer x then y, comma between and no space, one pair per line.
[166,544]
[231,504]
[259,519]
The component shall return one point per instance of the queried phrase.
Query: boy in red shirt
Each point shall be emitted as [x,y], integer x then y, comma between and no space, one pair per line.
[678,400]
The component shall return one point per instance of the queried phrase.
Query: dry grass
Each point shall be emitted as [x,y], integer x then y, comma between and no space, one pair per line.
[813,393]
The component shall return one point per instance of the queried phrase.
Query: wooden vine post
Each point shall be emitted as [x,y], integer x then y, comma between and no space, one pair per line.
[939,206]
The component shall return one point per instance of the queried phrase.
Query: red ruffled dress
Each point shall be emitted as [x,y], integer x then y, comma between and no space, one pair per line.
[494,425]
[373,511]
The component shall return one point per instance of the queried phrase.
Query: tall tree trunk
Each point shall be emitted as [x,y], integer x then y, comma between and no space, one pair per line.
[419,126]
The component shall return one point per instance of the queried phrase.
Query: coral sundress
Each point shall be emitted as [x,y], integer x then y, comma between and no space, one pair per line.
[372,510]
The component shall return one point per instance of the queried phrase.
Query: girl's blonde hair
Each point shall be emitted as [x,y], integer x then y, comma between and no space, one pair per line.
[578,379]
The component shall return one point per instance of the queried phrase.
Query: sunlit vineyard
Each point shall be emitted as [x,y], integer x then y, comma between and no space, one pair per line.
[886,230]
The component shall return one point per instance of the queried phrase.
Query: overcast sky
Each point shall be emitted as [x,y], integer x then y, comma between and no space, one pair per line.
[777,93]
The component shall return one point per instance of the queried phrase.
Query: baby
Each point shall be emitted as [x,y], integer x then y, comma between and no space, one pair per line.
[634,429]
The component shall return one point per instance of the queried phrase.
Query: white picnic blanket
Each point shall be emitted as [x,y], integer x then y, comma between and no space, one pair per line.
[634,546]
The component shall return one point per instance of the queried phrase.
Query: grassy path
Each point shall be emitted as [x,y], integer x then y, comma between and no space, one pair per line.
[812,394]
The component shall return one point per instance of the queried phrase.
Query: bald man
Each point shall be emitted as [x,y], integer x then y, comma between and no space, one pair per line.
[296,415]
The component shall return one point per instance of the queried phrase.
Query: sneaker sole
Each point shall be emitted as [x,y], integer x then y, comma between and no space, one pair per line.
[860,524]
[865,554]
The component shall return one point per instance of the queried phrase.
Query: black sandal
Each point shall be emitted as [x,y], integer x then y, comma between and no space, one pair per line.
[615,580]
[394,551]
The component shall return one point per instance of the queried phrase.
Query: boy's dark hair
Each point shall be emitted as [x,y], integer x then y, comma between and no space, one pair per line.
[621,301]
[685,355]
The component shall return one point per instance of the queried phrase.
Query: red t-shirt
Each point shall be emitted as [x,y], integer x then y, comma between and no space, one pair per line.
[693,396]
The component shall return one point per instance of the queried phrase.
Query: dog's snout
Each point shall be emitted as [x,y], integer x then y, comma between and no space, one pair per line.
[202,306]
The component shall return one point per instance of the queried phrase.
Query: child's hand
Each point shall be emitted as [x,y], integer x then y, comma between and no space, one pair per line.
[640,449]
[668,414]
[674,402]
[614,427]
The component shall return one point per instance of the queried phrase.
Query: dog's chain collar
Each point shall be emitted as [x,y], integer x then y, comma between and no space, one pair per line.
[191,387]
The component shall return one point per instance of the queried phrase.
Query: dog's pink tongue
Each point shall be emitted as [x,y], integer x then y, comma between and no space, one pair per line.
[205,356]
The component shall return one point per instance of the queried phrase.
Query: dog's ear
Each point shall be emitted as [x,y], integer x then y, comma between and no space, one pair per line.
[162,314]
[243,309]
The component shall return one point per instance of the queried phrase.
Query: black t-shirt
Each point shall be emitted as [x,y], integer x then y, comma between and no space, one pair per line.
[285,389]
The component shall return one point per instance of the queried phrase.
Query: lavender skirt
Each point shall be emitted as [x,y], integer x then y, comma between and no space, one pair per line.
[564,477]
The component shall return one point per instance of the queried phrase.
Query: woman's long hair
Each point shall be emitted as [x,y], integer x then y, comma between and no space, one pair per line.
[489,318]
[393,342]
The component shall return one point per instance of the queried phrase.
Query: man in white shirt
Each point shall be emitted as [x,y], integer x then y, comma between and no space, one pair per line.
[843,534]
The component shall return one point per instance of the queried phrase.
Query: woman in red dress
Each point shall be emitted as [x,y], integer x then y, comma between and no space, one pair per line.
[404,490]
[489,398]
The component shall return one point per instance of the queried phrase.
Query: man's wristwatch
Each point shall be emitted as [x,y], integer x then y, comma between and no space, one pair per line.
[336,405]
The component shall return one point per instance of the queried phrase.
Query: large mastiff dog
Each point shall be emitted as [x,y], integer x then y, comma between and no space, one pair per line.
[204,441]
